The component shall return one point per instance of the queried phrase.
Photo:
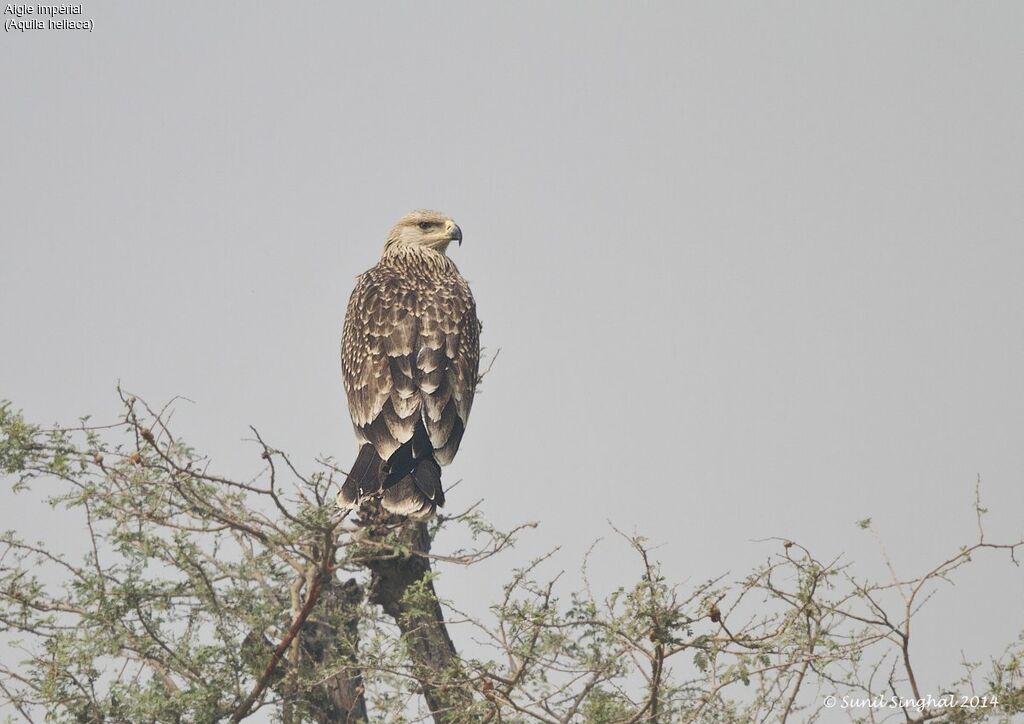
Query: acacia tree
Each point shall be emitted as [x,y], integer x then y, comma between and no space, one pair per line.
[201,598]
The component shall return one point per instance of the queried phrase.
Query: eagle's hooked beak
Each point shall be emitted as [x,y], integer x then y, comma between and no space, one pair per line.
[454,232]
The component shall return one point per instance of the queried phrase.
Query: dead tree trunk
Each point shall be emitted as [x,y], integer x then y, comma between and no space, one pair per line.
[329,637]
[400,584]
[332,638]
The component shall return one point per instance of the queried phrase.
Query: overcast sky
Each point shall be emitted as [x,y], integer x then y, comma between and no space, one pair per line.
[755,269]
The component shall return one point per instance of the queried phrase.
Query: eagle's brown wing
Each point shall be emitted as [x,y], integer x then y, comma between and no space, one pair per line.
[410,352]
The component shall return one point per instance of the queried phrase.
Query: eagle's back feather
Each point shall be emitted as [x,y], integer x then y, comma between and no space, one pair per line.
[410,356]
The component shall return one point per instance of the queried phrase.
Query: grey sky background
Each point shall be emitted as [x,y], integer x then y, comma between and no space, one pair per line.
[755,269]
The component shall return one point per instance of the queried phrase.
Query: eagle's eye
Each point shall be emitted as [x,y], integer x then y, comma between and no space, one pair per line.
[425,225]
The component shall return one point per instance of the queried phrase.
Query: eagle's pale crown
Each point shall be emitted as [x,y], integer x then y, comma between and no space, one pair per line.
[424,229]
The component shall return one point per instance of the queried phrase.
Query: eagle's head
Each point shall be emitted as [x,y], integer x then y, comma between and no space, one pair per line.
[424,229]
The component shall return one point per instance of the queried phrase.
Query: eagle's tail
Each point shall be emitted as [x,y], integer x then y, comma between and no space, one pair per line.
[415,491]
[418,494]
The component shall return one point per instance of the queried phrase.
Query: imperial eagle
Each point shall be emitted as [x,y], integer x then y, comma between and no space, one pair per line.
[410,352]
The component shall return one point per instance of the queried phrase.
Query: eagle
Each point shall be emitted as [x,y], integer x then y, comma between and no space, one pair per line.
[410,354]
